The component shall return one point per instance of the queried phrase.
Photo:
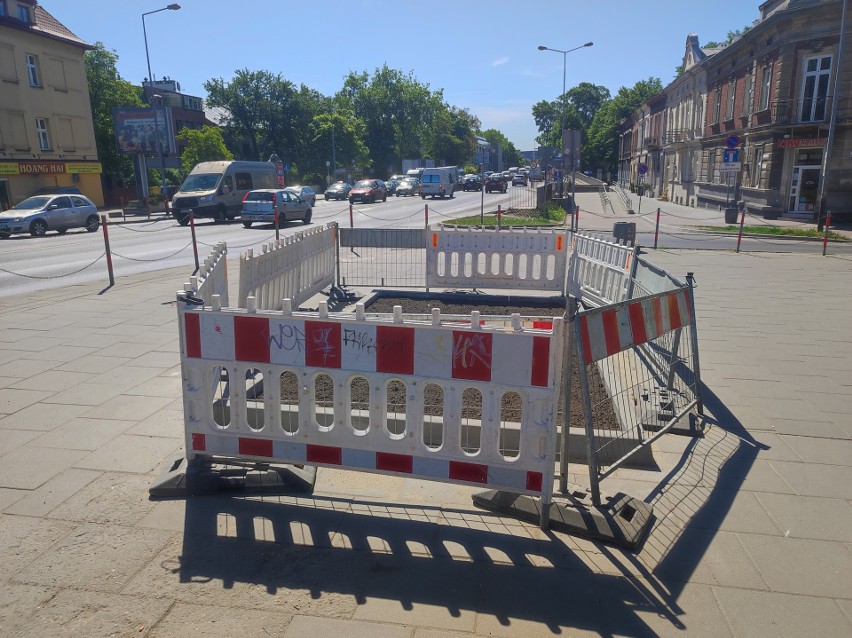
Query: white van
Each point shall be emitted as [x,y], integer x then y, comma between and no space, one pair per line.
[438,182]
[216,189]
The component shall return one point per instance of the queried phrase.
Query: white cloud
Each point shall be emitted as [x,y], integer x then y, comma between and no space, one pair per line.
[500,61]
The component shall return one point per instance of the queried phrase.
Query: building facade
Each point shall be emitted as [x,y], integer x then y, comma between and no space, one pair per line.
[750,121]
[47,137]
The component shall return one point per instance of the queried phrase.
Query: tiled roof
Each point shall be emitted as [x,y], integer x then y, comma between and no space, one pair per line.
[50,26]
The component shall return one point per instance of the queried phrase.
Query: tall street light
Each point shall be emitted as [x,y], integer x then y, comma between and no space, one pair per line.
[562,121]
[171,7]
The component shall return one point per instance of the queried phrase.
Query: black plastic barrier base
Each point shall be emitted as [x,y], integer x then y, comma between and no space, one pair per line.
[622,520]
[202,476]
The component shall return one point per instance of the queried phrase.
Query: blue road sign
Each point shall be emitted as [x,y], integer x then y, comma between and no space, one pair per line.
[731,155]
[732,141]
[643,168]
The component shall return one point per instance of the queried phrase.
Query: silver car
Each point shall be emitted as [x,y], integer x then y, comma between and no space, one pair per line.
[261,205]
[305,193]
[40,213]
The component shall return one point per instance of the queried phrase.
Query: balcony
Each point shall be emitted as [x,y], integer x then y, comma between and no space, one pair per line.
[815,110]
[652,143]
[675,136]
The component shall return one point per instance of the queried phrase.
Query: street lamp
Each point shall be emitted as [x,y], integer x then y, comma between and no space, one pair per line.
[157,100]
[562,121]
[171,7]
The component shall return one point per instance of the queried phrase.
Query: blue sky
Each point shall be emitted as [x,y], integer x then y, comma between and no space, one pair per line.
[483,55]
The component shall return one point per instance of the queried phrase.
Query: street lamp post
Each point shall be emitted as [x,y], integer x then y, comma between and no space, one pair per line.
[171,7]
[562,120]
[157,100]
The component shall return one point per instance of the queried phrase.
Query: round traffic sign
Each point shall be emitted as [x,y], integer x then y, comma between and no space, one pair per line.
[643,168]
[732,141]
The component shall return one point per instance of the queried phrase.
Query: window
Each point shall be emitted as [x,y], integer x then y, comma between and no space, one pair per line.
[758,166]
[765,85]
[32,70]
[717,107]
[748,94]
[815,89]
[62,202]
[243,181]
[732,95]
[24,13]
[711,166]
[41,133]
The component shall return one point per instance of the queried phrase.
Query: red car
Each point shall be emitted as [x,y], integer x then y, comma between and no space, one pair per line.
[368,190]
[495,183]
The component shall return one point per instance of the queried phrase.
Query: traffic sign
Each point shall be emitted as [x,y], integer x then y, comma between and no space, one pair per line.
[732,141]
[730,167]
[643,168]
[731,155]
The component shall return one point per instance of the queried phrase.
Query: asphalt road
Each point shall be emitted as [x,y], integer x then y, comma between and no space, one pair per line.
[29,263]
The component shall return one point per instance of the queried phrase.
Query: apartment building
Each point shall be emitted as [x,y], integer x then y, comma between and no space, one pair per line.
[47,137]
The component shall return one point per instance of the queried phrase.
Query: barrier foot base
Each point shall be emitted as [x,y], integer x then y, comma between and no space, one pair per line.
[203,477]
[622,520]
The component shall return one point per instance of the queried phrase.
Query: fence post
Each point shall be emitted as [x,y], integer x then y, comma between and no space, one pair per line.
[740,235]
[336,233]
[194,244]
[426,208]
[576,218]
[591,447]
[148,206]
[693,331]
[276,225]
[123,212]
[825,232]
[657,229]
[499,217]
[108,252]
[351,218]
[567,357]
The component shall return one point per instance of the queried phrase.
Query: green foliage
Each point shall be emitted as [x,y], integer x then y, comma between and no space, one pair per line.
[203,145]
[511,155]
[107,91]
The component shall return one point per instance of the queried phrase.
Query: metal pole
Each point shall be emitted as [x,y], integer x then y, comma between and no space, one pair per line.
[568,358]
[591,449]
[108,252]
[825,232]
[194,243]
[693,329]
[657,229]
[147,57]
[740,235]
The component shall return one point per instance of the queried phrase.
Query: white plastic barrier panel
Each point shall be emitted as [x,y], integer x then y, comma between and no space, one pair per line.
[296,268]
[451,402]
[525,259]
[599,271]
[213,276]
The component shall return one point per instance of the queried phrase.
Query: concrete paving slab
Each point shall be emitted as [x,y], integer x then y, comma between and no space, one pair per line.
[110,498]
[23,368]
[17,603]
[63,352]
[127,376]
[159,360]
[127,408]
[28,467]
[801,566]
[9,496]
[312,626]
[53,379]
[129,453]
[40,417]
[167,423]
[93,364]
[205,620]
[808,479]
[40,501]
[97,558]
[821,451]
[14,439]
[124,350]
[159,386]
[86,394]
[812,428]
[26,538]
[12,400]
[819,518]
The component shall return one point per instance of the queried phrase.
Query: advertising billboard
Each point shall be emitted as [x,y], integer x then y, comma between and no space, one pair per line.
[140,130]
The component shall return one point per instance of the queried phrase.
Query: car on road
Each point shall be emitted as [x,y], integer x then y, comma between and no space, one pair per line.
[262,204]
[305,193]
[519,180]
[391,185]
[472,183]
[495,183]
[369,191]
[408,187]
[39,214]
[340,190]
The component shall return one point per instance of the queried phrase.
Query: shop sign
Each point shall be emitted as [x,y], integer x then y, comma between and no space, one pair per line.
[84,167]
[796,142]
[49,168]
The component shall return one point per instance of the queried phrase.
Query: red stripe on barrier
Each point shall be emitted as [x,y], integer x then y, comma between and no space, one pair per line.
[192,332]
[472,355]
[323,454]
[199,442]
[657,305]
[322,344]
[674,312]
[255,447]
[251,339]
[394,350]
[469,472]
[611,336]
[540,362]
[534,481]
[394,462]
[543,325]
[637,323]
[587,343]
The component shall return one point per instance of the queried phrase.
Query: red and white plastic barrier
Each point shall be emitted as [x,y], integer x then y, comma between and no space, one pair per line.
[599,271]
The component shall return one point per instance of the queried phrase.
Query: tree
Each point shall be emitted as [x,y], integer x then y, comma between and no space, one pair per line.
[107,91]
[511,155]
[203,145]
[345,132]
[581,103]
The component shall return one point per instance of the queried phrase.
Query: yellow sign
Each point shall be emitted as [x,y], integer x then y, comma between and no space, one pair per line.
[83,167]
[9,168]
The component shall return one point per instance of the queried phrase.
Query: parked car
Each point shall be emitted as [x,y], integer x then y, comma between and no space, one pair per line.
[408,187]
[495,183]
[391,185]
[368,190]
[472,183]
[57,190]
[260,206]
[519,180]
[340,190]
[305,193]
[398,177]
[40,213]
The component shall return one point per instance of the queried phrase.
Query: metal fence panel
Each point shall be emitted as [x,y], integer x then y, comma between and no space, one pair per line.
[382,257]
